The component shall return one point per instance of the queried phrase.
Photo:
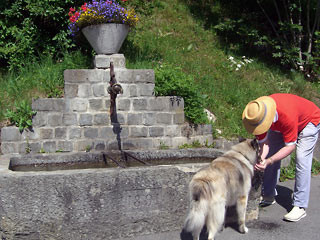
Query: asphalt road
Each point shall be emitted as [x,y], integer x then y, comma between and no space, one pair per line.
[270,225]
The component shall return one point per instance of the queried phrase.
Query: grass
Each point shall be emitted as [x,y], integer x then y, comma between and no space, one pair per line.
[173,35]
[289,172]
[38,79]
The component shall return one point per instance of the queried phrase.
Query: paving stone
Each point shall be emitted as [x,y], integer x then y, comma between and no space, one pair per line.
[9,134]
[54,119]
[156,131]
[60,132]
[101,119]
[91,133]
[85,119]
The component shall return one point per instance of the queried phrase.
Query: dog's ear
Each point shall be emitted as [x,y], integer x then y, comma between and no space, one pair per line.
[241,139]
[254,144]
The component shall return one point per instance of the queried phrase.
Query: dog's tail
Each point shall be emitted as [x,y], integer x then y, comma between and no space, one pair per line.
[200,191]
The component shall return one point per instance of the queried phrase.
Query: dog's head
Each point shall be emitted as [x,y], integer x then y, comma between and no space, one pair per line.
[249,148]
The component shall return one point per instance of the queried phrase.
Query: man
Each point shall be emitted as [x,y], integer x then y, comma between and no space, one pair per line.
[283,123]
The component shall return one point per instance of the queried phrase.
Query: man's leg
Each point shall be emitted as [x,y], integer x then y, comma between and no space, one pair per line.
[272,172]
[304,153]
[307,140]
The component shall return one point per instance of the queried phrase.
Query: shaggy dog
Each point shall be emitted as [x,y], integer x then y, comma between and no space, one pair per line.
[225,182]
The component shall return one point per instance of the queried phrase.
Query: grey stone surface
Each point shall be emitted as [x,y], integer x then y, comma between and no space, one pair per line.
[65,146]
[30,134]
[49,146]
[135,119]
[74,133]
[140,104]
[85,119]
[86,76]
[84,91]
[69,119]
[178,118]
[10,134]
[156,131]
[99,90]
[138,131]
[54,119]
[40,119]
[123,104]
[270,225]
[164,118]
[9,147]
[70,90]
[46,133]
[91,133]
[60,132]
[104,203]
[103,61]
[135,76]
[146,90]
[101,119]
[48,104]
[77,104]
[149,118]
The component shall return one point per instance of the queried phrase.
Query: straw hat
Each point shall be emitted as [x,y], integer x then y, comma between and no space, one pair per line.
[258,115]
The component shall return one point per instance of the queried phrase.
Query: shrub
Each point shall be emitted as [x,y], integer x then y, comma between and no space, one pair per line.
[21,116]
[172,81]
[30,28]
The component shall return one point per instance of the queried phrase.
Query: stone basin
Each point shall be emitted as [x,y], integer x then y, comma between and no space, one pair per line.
[88,196]
[111,159]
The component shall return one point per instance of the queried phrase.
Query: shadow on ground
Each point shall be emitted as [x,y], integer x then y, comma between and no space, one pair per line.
[284,197]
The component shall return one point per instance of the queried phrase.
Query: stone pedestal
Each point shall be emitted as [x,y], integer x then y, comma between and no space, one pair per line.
[81,120]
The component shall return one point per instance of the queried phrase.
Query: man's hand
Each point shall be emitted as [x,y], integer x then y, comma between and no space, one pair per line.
[262,164]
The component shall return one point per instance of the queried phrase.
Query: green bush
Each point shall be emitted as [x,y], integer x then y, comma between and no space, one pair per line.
[39,79]
[172,81]
[22,115]
[29,28]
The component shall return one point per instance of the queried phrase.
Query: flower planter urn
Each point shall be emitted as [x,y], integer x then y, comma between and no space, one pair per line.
[106,38]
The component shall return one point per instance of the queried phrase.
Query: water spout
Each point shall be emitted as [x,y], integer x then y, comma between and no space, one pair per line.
[114,89]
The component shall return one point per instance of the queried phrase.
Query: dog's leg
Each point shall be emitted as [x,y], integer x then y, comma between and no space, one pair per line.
[215,218]
[196,234]
[196,237]
[241,210]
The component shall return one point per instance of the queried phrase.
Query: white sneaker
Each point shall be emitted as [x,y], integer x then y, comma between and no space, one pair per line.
[295,214]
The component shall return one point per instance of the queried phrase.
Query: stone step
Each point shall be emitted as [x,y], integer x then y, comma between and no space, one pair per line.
[91,76]
[103,61]
[101,90]
[86,83]
[163,104]
[111,137]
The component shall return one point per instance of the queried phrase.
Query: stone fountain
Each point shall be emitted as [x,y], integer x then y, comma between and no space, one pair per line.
[92,169]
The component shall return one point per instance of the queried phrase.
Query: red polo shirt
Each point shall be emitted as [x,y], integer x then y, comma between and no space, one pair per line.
[293,114]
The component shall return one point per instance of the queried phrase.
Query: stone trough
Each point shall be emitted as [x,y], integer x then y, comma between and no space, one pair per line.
[103,195]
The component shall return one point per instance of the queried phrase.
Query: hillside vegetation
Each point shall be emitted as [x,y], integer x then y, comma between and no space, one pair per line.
[171,35]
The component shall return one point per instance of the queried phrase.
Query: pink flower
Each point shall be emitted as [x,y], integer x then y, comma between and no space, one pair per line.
[84,7]
[72,19]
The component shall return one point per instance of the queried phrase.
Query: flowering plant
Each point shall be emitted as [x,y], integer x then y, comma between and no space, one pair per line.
[98,12]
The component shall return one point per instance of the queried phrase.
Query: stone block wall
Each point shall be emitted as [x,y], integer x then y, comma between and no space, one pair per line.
[81,120]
